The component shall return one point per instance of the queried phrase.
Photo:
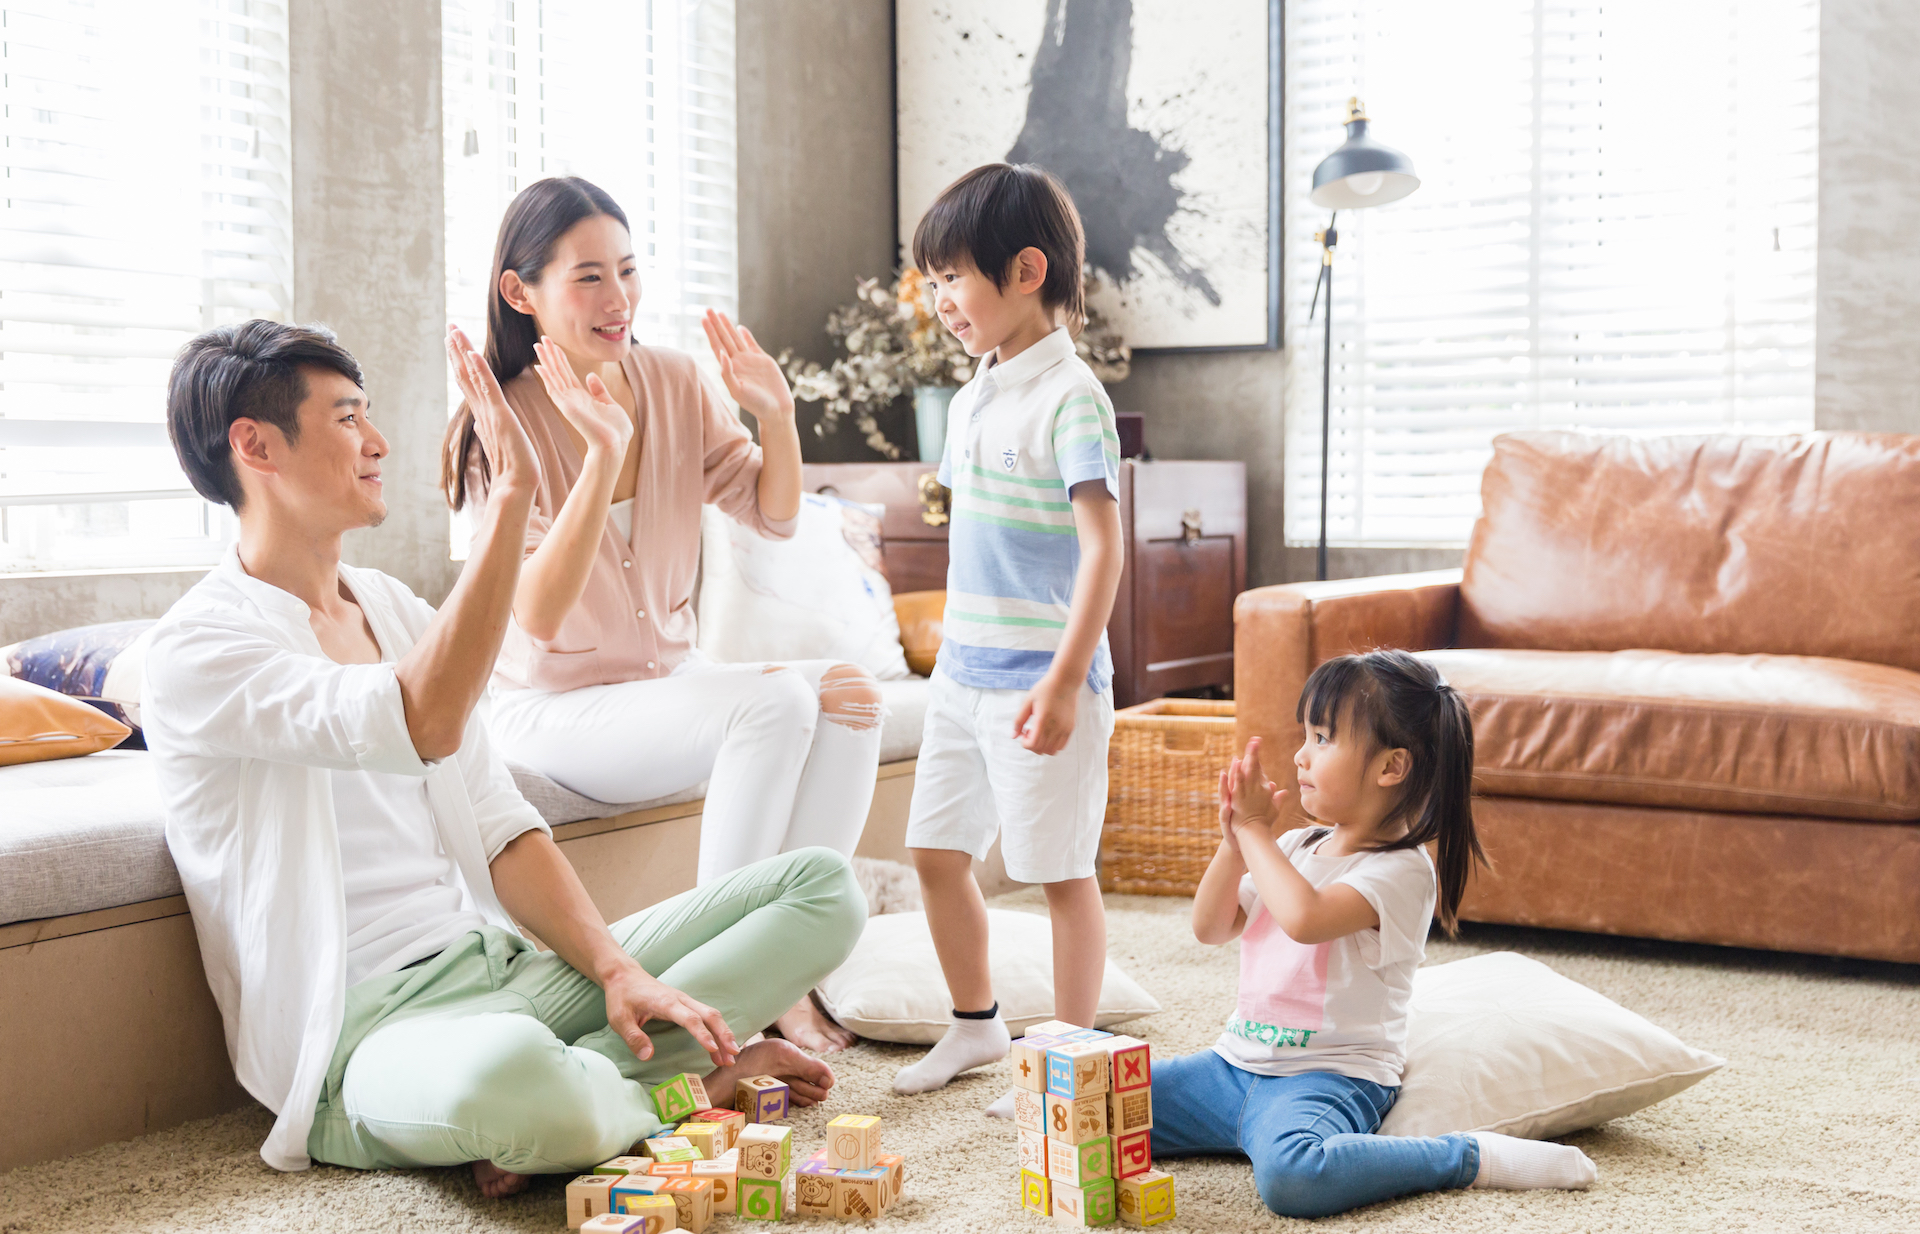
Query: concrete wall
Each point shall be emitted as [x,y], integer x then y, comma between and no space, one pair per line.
[369,225]
[1867,334]
[816,178]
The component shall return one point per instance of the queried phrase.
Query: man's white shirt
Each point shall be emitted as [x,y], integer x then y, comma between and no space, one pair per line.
[248,720]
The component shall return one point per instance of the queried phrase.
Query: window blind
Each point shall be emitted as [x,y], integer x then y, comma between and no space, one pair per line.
[146,198]
[1615,232]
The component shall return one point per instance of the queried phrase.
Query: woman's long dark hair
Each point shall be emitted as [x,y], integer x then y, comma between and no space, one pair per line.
[543,212]
[1402,703]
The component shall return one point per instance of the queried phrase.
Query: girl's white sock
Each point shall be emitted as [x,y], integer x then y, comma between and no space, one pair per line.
[1003,1105]
[967,1044]
[1510,1164]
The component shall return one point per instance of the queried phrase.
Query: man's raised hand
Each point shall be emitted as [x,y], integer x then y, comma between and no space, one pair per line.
[508,450]
[587,406]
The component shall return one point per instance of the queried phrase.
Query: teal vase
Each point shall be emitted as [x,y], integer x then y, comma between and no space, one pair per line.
[930,405]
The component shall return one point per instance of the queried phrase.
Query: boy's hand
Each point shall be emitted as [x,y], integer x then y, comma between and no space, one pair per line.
[1046,716]
[1253,801]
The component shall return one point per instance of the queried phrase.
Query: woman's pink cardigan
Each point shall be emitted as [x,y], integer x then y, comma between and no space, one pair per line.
[635,619]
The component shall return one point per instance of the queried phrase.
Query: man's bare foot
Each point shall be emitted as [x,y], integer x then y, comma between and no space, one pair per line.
[810,1028]
[496,1183]
[806,1077]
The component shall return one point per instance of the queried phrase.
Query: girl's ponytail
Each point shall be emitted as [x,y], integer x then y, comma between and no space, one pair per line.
[1404,704]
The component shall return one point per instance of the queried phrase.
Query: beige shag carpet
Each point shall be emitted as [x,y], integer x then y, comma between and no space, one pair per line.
[1814,1124]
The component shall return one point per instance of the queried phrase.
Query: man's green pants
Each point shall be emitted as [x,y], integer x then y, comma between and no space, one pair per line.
[493,1050]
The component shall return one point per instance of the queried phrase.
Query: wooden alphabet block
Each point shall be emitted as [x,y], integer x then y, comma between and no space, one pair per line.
[1089,1205]
[1029,1058]
[729,1121]
[721,1173]
[761,1098]
[1036,1194]
[1132,1154]
[673,1100]
[1130,1111]
[760,1199]
[1079,1165]
[629,1189]
[853,1141]
[813,1189]
[880,1175]
[671,1169]
[1132,1066]
[1145,1199]
[857,1194]
[1053,1028]
[766,1151]
[708,1139]
[896,1168]
[656,1211]
[1077,1069]
[588,1196]
[1084,1034]
[620,1223]
[620,1166]
[1030,1111]
[1033,1151]
[671,1148]
[693,1202]
[698,1087]
[1075,1120]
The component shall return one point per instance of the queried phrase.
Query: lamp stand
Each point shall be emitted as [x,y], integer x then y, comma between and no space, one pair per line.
[1327,239]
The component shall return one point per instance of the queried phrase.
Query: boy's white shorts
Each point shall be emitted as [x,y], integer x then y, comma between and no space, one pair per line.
[975,779]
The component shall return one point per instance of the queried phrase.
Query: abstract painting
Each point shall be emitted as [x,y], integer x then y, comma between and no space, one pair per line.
[1159,117]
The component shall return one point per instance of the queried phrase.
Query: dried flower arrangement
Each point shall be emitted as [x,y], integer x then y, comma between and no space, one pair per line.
[894,342]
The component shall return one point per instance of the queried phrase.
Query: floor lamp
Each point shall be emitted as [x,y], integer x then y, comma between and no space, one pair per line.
[1361,173]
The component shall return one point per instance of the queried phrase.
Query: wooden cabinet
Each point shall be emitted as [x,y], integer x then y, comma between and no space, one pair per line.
[1185,528]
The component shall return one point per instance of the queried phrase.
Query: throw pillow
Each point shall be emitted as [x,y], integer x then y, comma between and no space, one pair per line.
[891,989]
[101,665]
[818,596]
[37,723]
[1503,1043]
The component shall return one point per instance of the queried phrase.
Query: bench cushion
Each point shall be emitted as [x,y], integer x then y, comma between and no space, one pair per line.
[1740,733]
[81,834]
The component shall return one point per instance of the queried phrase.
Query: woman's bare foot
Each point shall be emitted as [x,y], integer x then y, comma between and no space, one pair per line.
[810,1028]
[496,1183]
[806,1077]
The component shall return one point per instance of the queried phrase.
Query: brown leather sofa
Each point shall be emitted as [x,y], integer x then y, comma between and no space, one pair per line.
[1691,664]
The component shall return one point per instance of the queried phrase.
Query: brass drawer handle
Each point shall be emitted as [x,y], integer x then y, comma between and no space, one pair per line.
[1190,526]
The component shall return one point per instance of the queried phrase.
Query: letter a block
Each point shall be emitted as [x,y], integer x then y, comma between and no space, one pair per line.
[1079,1165]
[761,1098]
[1076,1121]
[1029,1058]
[1035,1194]
[760,1199]
[853,1141]
[1077,1069]
[589,1196]
[673,1101]
[1146,1199]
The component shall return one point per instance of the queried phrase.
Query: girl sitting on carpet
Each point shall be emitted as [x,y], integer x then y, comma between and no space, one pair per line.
[1333,921]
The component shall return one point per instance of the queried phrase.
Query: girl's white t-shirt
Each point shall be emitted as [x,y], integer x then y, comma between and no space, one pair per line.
[1339,1006]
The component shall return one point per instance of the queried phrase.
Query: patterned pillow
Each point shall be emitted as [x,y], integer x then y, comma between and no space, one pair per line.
[100,665]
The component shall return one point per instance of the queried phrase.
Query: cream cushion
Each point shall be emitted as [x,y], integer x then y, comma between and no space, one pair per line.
[1503,1043]
[891,988]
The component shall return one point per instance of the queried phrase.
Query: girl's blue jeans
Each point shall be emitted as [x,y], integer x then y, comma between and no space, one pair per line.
[1310,1137]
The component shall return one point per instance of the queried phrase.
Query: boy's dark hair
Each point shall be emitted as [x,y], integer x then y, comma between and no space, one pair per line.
[246,372]
[1401,702]
[988,215]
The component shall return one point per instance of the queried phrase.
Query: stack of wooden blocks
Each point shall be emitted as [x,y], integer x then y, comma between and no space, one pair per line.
[851,1179]
[1083,1106]
[715,1161]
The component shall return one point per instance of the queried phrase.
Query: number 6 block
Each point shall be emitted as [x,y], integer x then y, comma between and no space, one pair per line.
[759,1199]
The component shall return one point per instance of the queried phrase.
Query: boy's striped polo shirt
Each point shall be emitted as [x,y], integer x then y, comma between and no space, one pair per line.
[1020,435]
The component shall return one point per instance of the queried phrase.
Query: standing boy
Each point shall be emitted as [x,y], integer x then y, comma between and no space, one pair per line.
[1021,704]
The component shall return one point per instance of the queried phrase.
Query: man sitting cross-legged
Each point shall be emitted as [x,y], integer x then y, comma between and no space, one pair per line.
[356,857]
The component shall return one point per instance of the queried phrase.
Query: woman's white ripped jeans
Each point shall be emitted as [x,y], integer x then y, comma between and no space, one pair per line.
[788,751]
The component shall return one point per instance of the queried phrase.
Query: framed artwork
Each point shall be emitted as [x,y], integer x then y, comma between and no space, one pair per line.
[1162,118]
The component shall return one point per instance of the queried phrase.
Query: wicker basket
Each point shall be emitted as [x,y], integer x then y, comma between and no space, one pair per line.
[1163,788]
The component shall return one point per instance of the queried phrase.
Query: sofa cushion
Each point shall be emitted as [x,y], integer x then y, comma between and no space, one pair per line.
[1800,545]
[81,834]
[1740,733]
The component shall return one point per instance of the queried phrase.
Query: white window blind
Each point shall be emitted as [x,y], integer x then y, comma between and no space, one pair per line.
[1615,232]
[146,198]
[636,97]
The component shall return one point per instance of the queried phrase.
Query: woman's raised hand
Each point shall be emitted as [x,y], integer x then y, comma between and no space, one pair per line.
[509,451]
[753,377]
[587,405]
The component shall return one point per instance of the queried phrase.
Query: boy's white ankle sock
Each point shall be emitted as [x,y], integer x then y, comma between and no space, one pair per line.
[1003,1108]
[1510,1164]
[968,1043]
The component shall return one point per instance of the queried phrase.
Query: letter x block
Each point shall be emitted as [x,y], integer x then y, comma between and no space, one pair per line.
[1146,1199]
[1132,1064]
[760,1199]
[1035,1194]
[674,1100]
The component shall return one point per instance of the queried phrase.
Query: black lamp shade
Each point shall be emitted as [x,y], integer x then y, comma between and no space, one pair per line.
[1362,173]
